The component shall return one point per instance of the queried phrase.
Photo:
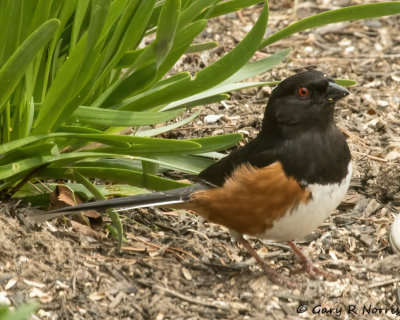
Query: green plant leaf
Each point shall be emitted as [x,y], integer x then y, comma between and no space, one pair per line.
[80,13]
[136,82]
[216,91]
[38,194]
[25,165]
[110,118]
[362,11]
[57,93]
[181,43]
[198,47]
[190,103]
[185,163]
[44,149]
[231,6]
[130,177]
[97,20]
[116,222]
[102,138]
[345,82]
[21,313]
[171,147]
[166,29]
[252,69]
[216,143]
[183,39]
[193,10]
[13,70]
[210,76]
[160,130]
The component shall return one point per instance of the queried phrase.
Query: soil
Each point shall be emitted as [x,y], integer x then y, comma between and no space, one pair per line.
[175,265]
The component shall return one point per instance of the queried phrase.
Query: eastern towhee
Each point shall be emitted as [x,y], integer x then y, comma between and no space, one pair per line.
[281,185]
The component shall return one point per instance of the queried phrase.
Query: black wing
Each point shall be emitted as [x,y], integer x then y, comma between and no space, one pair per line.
[258,153]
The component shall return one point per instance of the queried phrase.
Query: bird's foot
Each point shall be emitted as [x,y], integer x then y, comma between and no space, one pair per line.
[271,273]
[313,271]
[308,266]
[278,278]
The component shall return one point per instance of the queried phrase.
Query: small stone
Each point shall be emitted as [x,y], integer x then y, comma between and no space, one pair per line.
[212,118]
[3,299]
[246,296]
[244,132]
[186,273]
[217,132]
[308,49]
[383,103]
[372,23]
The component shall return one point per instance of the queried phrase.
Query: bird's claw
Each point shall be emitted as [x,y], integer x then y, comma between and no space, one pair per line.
[313,271]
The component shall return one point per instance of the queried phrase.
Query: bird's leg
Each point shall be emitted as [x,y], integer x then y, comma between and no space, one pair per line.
[272,274]
[308,265]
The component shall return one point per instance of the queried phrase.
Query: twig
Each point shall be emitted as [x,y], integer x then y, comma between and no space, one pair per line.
[103,258]
[371,157]
[27,178]
[240,16]
[204,127]
[216,304]
[168,249]
[383,283]
[226,249]
[354,137]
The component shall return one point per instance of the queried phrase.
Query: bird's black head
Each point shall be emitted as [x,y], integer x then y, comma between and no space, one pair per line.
[302,102]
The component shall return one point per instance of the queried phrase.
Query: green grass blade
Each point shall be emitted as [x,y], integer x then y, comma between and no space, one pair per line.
[27,165]
[173,147]
[167,128]
[38,194]
[130,177]
[217,143]
[190,103]
[182,42]
[21,313]
[193,10]
[137,81]
[116,222]
[98,18]
[208,94]
[345,82]
[210,76]
[231,6]
[117,141]
[80,12]
[185,163]
[109,118]
[362,11]
[166,29]
[43,149]
[13,70]
[58,93]
[183,37]
[198,47]
[255,68]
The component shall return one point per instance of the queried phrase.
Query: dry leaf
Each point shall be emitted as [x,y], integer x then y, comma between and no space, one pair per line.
[87,231]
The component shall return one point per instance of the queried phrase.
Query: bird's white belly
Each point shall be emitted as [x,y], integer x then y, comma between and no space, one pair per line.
[306,217]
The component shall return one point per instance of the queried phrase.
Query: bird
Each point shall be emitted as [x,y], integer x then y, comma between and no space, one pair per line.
[280,186]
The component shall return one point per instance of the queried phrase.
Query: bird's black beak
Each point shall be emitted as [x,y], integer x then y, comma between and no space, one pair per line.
[336,92]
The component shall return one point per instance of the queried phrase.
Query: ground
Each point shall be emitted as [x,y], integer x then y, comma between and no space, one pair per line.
[175,265]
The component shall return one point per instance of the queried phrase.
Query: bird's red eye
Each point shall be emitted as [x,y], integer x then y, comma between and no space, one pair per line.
[303,92]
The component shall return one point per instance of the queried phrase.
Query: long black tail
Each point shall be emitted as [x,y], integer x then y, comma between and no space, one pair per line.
[155,199]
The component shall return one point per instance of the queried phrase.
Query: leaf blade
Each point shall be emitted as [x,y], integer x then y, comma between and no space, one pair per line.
[13,70]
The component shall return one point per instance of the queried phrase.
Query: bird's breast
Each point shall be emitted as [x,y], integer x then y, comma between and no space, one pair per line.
[306,217]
